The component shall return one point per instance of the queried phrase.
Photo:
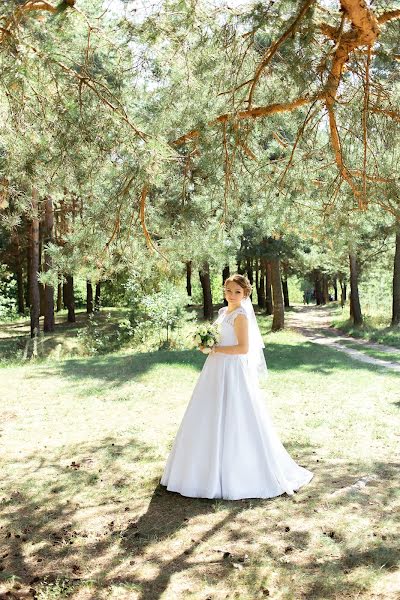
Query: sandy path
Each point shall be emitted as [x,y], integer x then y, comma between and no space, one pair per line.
[314,323]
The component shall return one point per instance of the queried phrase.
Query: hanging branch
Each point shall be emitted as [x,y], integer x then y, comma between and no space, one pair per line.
[269,54]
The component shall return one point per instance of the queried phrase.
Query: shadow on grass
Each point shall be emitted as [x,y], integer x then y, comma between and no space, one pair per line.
[41,537]
[113,370]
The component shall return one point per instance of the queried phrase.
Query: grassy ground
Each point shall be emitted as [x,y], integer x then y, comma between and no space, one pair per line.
[376,328]
[84,442]
[373,352]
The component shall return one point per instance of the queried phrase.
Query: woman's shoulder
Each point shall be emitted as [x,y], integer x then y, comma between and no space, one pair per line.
[222,310]
[230,317]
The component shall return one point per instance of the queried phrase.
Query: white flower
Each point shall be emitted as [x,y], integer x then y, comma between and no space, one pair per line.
[210,343]
[197,339]
[202,330]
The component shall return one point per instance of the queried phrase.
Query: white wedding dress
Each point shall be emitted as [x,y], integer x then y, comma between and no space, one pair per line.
[226,446]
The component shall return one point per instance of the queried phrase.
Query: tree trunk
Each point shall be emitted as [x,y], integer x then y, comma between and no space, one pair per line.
[325,290]
[335,289]
[97,299]
[89,297]
[59,297]
[225,274]
[278,321]
[396,282]
[285,290]
[189,278]
[206,287]
[318,287]
[34,267]
[48,324]
[249,270]
[354,295]
[28,269]
[269,307]
[69,298]
[261,289]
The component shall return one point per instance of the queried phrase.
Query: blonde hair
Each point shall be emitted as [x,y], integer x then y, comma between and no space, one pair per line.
[242,281]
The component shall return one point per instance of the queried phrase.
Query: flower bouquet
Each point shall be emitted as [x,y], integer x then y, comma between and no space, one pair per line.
[206,336]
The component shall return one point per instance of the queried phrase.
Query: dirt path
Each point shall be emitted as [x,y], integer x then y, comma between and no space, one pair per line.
[314,323]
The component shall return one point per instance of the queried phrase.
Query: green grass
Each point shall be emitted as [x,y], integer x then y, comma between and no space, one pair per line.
[375,329]
[373,352]
[84,442]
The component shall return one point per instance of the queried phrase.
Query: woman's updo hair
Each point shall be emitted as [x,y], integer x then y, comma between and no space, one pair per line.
[242,281]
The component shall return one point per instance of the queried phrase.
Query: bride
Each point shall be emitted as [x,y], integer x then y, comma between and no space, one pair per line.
[226,446]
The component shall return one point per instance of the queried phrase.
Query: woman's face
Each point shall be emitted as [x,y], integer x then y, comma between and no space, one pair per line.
[233,293]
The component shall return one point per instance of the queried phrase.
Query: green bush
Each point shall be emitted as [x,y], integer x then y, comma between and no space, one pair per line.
[8,294]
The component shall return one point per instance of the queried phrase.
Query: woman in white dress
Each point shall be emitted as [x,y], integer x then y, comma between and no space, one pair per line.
[226,446]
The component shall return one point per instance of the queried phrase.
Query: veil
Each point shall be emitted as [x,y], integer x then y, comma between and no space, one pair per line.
[257,364]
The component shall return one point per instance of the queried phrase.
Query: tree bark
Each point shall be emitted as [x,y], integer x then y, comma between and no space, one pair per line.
[89,297]
[285,290]
[48,324]
[325,290]
[261,289]
[19,276]
[59,297]
[225,274]
[206,287]
[396,282]
[28,268]
[354,294]
[269,306]
[97,299]
[69,298]
[34,267]
[189,278]
[318,287]
[278,321]
[335,288]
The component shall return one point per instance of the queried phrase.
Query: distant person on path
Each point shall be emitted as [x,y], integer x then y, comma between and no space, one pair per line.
[226,445]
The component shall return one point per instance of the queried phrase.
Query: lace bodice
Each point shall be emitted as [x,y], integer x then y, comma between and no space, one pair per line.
[225,321]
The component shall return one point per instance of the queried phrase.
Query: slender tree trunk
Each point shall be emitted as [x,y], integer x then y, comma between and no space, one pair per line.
[89,297]
[278,321]
[59,296]
[249,270]
[335,288]
[34,284]
[261,292]
[41,286]
[48,324]
[28,268]
[269,306]
[285,290]
[97,299]
[225,274]
[354,295]
[325,290]
[206,287]
[257,279]
[396,282]
[318,287]
[189,278]
[69,298]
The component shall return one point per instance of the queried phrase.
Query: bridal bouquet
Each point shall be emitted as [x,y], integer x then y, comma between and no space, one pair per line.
[206,336]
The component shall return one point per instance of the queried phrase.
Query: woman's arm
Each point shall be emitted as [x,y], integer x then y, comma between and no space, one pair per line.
[240,325]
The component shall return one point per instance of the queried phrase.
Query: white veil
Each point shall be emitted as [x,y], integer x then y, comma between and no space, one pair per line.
[257,364]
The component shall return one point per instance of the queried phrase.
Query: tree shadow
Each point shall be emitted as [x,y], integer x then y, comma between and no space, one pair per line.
[121,536]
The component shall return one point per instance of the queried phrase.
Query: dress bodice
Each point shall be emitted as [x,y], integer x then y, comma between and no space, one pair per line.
[225,321]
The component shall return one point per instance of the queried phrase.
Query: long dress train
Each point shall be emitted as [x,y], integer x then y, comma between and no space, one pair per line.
[226,445]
